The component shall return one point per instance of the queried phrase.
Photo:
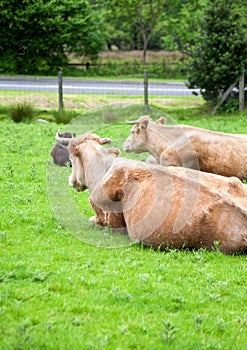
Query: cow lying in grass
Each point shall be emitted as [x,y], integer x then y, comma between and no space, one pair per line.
[59,152]
[162,207]
[190,147]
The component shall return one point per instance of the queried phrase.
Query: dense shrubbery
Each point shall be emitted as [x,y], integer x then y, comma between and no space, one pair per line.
[219,55]
[39,35]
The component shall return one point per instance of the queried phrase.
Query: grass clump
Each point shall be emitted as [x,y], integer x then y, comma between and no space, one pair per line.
[63,116]
[22,112]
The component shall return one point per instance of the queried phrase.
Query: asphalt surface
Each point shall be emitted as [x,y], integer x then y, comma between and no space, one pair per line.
[105,87]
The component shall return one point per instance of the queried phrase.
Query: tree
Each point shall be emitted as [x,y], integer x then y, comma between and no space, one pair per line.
[182,22]
[142,15]
[117,31]
[220,52]
[38,35]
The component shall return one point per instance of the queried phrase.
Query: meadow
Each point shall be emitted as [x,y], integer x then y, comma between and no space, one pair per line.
[63,289]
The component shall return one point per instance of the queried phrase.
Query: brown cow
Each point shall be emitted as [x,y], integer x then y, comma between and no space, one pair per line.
[162,207]
[190,147]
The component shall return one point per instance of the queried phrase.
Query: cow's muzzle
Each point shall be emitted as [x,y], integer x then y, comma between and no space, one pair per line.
[80,188]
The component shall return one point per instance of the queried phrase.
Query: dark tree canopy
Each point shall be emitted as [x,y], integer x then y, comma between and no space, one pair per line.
[220,52]
[38,34]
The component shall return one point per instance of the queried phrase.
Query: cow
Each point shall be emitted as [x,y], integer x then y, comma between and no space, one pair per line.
[60,152]
[190,147]
[161,207]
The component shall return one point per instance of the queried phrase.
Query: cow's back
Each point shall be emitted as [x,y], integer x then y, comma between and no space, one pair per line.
[216,152]
[169,209]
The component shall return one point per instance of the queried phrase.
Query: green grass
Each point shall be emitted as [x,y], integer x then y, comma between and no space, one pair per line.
[58,292]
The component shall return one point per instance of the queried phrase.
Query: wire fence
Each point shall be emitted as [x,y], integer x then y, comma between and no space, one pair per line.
[63,92]
[60,92]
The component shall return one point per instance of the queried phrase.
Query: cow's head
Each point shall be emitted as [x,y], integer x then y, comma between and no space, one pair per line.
[86,154]
[60,155]
[137,141]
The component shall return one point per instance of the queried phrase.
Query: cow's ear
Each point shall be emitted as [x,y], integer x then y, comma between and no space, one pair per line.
[144,124]
[76,152]
[73,149]
[100,140]
[115,151]
[161,121]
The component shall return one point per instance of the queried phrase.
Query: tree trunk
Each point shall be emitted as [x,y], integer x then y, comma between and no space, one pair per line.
[145,44]
[241,92]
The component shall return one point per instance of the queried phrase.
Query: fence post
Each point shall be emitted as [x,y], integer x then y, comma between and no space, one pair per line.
[146,90]
[60,90]
[241,92]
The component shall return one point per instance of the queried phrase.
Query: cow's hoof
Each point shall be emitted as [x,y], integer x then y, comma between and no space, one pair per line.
[94,221]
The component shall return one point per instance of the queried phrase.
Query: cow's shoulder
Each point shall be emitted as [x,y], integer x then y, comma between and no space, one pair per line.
[120,173]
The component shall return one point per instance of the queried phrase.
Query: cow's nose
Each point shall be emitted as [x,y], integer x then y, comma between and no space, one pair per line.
[79,187]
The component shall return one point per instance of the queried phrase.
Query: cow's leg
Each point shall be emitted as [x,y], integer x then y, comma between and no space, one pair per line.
[105,218]
[100,217]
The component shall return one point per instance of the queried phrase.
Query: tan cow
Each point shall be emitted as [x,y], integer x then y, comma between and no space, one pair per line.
[190,147]
[162,207]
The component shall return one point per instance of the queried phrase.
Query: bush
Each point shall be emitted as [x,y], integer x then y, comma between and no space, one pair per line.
[219,55]
[22,112]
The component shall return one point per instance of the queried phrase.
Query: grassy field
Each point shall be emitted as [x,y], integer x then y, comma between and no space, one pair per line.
[116,63]
[59,290]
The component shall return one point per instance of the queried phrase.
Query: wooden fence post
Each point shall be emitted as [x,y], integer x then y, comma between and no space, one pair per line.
[60,90]
[146,90]
[241,92]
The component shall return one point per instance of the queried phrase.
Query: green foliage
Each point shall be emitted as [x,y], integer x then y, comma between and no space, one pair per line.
[40,37]
[182,21]
[169,43]
[22,112]
[172,24]
[39,34]
[219,55]
[169,331]
[142,17]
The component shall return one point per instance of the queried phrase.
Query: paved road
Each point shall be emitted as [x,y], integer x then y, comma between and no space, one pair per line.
[106,87]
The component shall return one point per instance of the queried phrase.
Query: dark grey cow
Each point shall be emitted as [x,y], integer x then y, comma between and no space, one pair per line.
[59,152]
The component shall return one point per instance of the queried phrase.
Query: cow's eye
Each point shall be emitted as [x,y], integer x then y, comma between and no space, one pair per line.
[133,132]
